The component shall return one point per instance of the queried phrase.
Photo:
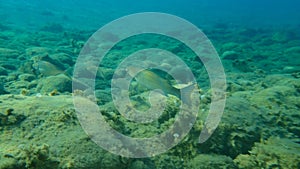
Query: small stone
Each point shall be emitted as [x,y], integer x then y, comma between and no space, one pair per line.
[26,77]
[229,46]
[38,95]
[53,92]
[24,92]
[232,55]
[291,69]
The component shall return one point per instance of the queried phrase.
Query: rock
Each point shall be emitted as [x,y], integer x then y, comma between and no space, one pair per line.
[273,95]
[234,87]
[232,55]
[27,67]
[11,77]
[229,46]
[10,66]
[36,156]
[205,161]
[33,51]
[60,82]
[242,65]
[3,71]
[65,50]
[55,61]
[291,69]
[294,49]
[2,90]
[103,96]
[111,161]
[57,146]
[20,84]
[296,75]
[63,58]
[284,36]
[26,77]
[139,165]
[10,118]
[8,53]
[274,153]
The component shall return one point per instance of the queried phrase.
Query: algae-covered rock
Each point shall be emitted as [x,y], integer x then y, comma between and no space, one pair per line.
[232,55]
[8,53]
[9,118]
[207,161]
[293,50]
[229,46]
[28,156]
[63,58]
[42,131]
[37,51]
[103,96]
[49,137]
[139,164]
[291,69]
[243,65]
[35,156]
[3,71]
[284,36]
[61,83]
[274,153]
[2,90]
[26,77]
[111,161]
[236,133]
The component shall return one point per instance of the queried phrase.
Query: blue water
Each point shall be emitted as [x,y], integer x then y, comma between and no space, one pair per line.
[90,14]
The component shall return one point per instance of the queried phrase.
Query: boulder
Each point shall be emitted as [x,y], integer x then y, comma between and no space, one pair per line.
[61,83]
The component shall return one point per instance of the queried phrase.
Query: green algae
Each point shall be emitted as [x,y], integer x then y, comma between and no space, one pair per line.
[209,161]
[41,131]
[273,153]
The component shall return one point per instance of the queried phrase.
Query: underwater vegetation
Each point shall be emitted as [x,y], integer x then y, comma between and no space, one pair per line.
[260,127]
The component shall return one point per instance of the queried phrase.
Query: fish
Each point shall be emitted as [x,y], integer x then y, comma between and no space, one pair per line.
[46,68]
[151,79]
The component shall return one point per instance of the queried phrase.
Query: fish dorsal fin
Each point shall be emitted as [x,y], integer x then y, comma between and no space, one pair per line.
[133,71]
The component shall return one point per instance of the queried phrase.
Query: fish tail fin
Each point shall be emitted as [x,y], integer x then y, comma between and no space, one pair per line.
[186,93]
